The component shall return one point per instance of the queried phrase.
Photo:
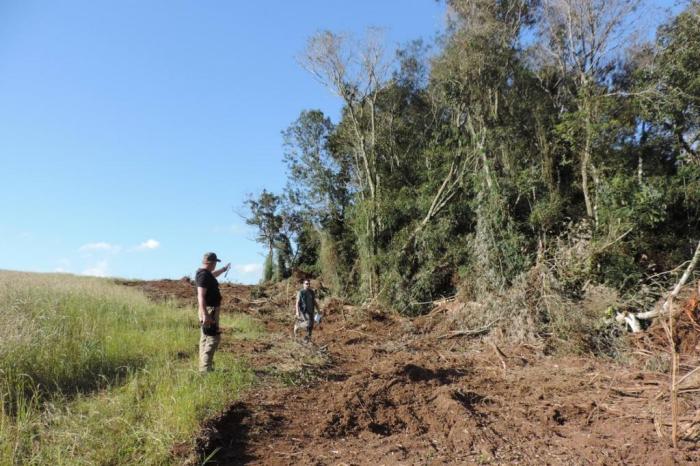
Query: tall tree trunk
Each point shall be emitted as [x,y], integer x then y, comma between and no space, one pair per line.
[640,161]
[585,161]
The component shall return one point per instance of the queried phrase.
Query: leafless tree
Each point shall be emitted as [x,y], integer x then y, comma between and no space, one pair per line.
[356,72]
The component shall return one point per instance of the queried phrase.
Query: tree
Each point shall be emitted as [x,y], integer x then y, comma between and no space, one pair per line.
[670,81]
[264,216]
[476,80]
[581,39]
[357,73]
[318,177]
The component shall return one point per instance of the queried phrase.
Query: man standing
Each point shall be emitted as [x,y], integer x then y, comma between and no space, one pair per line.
[209,301]
[305,305]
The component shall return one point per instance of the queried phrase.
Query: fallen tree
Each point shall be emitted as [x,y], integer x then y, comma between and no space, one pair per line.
[659,311]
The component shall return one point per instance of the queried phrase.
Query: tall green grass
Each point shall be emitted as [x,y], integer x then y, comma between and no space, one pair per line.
[95,373]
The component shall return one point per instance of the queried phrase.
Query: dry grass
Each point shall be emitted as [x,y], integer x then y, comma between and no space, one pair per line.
[95,373]
[551,304]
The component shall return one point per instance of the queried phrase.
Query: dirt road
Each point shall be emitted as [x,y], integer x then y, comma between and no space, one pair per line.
[378,389]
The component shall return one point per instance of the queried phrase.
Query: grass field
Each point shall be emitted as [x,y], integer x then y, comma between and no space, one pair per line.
[94,373]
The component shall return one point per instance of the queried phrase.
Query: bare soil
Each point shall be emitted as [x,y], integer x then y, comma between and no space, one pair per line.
[375,388]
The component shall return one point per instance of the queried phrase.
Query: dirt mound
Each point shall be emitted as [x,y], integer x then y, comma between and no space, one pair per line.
[236,297]
[392,401]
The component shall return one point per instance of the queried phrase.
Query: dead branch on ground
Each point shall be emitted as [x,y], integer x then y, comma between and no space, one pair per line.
[501,355]
[468,332]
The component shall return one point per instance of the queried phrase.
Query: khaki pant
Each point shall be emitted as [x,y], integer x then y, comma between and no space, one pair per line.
[208,344]
[306,321]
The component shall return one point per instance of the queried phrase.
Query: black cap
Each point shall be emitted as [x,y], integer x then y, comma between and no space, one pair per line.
[210,257]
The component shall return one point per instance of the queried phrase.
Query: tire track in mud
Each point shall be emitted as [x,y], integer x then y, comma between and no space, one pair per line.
[377,400]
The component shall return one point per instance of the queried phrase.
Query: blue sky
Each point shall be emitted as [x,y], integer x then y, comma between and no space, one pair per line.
[132,131]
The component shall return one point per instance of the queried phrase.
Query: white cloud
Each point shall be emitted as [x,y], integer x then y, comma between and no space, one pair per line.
[149,244]
[97,270]
[100,246]
[248,268]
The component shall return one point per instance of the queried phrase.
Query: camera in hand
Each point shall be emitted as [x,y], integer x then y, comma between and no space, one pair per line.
[210,330]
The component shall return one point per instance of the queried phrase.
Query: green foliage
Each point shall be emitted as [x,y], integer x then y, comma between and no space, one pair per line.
[264,215]
[516,158]
[268,268]
[497,248]
[673,75]
[319,177]
[684,189]
[330,265]
[308,249]
[623,200]
[366,261]
[414,280]
[547,213]
[617,268]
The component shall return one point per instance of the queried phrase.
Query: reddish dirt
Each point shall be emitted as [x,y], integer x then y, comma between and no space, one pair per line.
[236,297]
[389,391]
